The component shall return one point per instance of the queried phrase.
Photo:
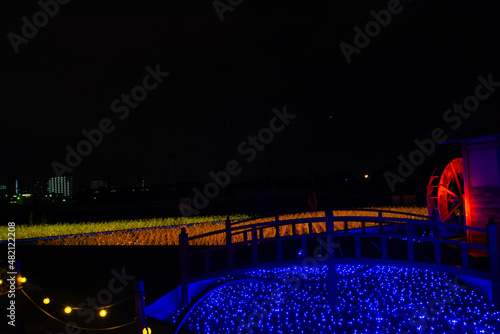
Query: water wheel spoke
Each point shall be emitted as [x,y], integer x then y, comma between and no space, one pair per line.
[455,176]
[449,191]
[452,211]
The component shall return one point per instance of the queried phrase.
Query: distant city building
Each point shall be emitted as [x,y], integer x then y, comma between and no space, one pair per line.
[61,185]
[98,184]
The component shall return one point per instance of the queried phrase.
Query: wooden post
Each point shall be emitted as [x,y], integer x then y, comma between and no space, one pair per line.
[139,306]
[255,240]
[357,245]
[228,231]
[363,226]
[279,245]
[332,272]
[329,226]
[435,228]
[303,242]
[436,232]
[183,249]
[494,261]
[380,226]
[229,243]
[19,300]
[435,215]
[383,246]
[346,226]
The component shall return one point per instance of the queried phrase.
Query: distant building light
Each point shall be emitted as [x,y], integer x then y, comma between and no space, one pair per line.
[366,176]
[61,185]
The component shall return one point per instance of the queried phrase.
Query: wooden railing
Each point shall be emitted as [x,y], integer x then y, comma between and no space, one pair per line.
[378,227]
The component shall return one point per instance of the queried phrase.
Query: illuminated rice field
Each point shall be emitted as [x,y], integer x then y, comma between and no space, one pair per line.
[170,235]
[25,231]
[378,299]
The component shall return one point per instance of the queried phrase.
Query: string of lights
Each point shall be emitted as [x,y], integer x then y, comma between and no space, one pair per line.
[49,300]
[69,324]
[22,280]
[102,310]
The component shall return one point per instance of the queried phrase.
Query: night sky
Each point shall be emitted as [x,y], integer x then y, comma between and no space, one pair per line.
[227,76]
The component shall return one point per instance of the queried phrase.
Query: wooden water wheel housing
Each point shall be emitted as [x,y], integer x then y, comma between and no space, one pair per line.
[445,193]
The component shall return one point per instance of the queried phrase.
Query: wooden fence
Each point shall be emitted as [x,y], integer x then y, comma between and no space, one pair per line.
[379,227]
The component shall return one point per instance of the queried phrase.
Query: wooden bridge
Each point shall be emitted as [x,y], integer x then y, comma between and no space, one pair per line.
[419,243]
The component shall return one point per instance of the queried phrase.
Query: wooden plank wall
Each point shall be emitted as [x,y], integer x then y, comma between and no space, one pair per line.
[484,203]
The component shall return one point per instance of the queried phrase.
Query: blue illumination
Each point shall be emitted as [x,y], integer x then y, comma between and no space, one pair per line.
[379,299]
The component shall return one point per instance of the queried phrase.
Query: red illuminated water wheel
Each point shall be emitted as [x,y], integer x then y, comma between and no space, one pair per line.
[445,193]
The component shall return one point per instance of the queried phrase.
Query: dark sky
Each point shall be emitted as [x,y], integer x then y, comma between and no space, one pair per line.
[226,77]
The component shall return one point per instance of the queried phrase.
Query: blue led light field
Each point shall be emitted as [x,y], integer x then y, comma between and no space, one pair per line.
[378,299]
